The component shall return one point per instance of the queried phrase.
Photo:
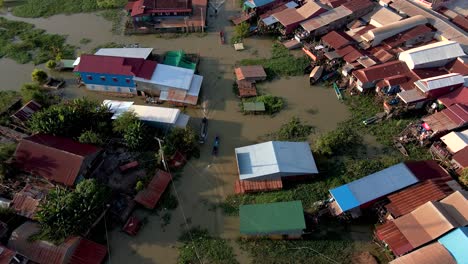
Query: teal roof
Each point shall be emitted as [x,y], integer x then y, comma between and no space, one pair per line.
[68,63]
[456,243]
[254,106]
[272,218]
[179,59]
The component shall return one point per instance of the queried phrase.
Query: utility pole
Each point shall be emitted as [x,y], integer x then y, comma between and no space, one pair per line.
[202,21]
[161,153]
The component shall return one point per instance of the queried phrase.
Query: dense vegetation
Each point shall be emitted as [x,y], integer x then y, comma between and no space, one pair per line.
[44,8]
[71,119]
[240,32]
[133,131]
[282,63]
[6,151]
[182,139]
[273,104]
[66,213]
[7,98]
[199,247]
[23,43]
[294,130]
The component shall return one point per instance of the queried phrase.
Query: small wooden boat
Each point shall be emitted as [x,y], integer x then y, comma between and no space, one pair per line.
[221,37]
[315,74]
[400,147]
[337,91]
[203,130]
[370,120]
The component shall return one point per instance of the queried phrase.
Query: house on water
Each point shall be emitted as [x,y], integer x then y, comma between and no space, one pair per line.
[160,117]
[136,76]
[275,220]
[57,159]
[265,166]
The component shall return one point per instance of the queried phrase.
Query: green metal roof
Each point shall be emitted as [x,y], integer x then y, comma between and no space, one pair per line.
[256,106]
[178,59]
[68,63]
[271,218]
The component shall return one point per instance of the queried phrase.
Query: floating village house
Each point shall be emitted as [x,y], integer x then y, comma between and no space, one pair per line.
[275,220]
[160,117]
[264,166]
[136,75]
[74,250]
[425,224]
[57,159]
[289,19]
[364,192]
[167,15]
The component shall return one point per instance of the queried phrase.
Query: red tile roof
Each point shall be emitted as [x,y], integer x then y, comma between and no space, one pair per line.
[55,158]
[392,236]
[381,71]
[349,54]
[150,196]
[88,252]
[27,111]
[116,65]
[405,201]
[458,96]
[461,157]
[427,170]
[336,40]
[246,186]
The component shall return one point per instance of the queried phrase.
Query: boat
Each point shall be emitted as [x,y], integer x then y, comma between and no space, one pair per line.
[370,120]
[216,146]
[315,74]
[328,76]
[400,147]
[203,130]
[221,36]
[337,91]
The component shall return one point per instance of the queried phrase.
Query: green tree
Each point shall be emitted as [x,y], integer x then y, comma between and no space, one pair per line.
[32,91]
[294,130]
[139,186]
[181,139]
[39,76]
[6,151]
[464,177]
[67,213]
[51,64]
[90,137]
[110,3]
[134,135]
[337,141]
[242,30]
[121,123]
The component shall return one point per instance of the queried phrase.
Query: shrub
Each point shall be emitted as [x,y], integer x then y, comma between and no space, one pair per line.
[337,141]
[273,104]
[139,186]
[39,76]
[51,64]
[90,137]
[294,130]
[181,139]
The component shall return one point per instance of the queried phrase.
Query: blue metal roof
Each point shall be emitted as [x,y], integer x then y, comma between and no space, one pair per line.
[345,198]
[257,3]
[456,243]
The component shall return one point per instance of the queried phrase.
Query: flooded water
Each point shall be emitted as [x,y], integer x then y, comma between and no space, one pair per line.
[208,180]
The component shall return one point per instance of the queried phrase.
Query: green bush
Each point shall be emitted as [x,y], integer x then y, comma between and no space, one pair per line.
[139,186]
[273,104]
[337,141]
[39,76]
[181,139]
[51,64]
[294,130]
[90,137]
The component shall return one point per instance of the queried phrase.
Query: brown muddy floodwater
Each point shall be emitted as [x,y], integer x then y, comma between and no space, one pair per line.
[208,180]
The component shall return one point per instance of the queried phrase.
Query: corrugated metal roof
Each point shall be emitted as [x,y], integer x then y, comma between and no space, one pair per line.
[336,40]
[456,205]
[88,252]
[26,202]
[379,34]
[27,111]
[392,236]
[259,3]
[55,158]
[253,71]
[40,251]
[458,96]
[271,218]
[381,16]
[382,71]
[433,253]
[150,196]
[427,170]
[141,53]
[456,141]
[246,186]
[6,255]
[407,200]
[455,242]
[349,54]
[411,96]
[461,157]
[275,159]
[410,34]
[373,186]
[170,76]
[438,82]
[431,53]
[326,18]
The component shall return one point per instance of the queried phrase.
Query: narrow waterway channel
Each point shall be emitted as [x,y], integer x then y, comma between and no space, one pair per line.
[206,181]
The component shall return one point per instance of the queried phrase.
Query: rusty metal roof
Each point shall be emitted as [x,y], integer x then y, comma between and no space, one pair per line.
[405,201]
[253,71]
[150,196]
[392,236]
[26,202]
[27,111]
[88,252]
[246,186]
[461,157]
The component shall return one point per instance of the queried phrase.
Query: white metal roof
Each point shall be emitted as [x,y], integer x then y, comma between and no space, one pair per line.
[291,4]
[275,159]
[439,51]
[141,53]
[441,81]
[148,113]
[270,20]
[381,33]
[382,183]
[170,76]
[195,86]
[456,141]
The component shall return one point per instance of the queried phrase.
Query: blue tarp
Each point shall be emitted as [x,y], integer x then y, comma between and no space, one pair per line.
[345,198]
[456,242]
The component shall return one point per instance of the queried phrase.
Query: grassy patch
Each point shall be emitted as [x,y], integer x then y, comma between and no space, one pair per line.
[273,104]
[85,41]
[45,8]
[281,63]
[115,16]
[199,247]
[23,43]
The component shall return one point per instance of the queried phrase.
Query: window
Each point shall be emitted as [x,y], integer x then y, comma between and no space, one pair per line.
[114,79]
[103,78]
[127,80]
[89,77]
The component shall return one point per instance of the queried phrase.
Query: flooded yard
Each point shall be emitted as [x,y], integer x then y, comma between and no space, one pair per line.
[208,180]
